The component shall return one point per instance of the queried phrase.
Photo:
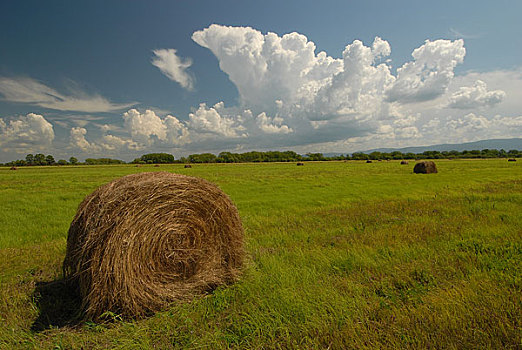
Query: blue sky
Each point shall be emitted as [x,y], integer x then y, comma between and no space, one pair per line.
[122,78]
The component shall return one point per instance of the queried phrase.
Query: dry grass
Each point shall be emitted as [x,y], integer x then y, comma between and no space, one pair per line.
[145,240]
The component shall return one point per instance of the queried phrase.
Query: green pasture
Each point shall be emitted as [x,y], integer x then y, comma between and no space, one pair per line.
[340,255]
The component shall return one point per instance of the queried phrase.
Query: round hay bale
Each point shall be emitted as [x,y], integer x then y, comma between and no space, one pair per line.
[145,240]
[13,168]
[188,166]
[512,160]
[425,167]
[368,161]
[156,165]
[403,162]
[300,164]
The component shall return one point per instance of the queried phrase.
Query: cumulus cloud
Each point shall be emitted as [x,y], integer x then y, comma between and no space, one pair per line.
[147,127]
[272,125]
[468,97]
[106,144]
[114,143]
[430,72]
[27,90]
[144,126]
[77,140]
[26,133]
[316,98]
[266,68]
[174,67]
[209,121]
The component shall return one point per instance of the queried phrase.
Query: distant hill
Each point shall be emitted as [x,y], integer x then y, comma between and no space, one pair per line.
[506,144]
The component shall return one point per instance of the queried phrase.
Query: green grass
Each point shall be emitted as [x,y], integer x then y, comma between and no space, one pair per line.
[340,255]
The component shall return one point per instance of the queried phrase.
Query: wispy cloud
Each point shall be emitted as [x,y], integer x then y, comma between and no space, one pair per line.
[31,91]
[459,35]
[174,67]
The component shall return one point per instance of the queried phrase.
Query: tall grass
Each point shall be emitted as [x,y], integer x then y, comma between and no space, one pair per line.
[341,255]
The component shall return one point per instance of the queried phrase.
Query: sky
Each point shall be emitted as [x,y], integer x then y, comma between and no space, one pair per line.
[123,78]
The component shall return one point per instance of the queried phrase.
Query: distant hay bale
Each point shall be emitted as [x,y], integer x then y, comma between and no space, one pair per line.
[403,162]
[368,161]
[512,160]
[13,168]
[137,166]
[425,167]
[188,166]
[156,165]
[300,164]
[145,240]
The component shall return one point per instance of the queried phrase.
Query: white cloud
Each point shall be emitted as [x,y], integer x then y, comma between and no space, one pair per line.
[148,128]
[468,97]
[144,126]
[26,133]
[77,140]
[177,132]
[429,74]
[115,143]
[266,68]
[174,67]
[27,90]
[356,92]
[320,98]
[209,121]
[106,144]
[272,125]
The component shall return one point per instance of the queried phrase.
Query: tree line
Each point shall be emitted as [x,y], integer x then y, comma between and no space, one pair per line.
[42,159]
[270,156]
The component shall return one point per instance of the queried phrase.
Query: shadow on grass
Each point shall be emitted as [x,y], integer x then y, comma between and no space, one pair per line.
[59,305]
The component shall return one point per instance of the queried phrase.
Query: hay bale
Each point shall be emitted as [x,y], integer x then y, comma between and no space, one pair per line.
[188,166]
[156,165]
[13,168]
[512,160]
[425,167]
[300,164]
[403,162]
[145,240]
[368,161]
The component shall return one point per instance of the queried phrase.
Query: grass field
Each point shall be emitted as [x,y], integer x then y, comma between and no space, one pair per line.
[340,255]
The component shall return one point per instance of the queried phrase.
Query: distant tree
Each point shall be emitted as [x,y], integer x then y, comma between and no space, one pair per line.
[73,160]
[375,155]
[49,160]
[157,158]
[227,157]
[62,162]
[101,161]
[359,156]
[202,158]
[29,159]
[396,155]
[39,159]
[315,156]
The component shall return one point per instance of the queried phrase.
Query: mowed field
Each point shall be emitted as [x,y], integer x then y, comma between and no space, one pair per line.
[340,255]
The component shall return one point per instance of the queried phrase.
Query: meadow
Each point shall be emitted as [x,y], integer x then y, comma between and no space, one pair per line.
[340,255]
